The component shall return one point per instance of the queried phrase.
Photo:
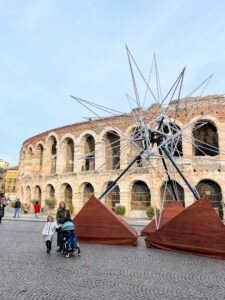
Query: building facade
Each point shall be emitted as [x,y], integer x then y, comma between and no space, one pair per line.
[71,162]
[3,166]
[11,180]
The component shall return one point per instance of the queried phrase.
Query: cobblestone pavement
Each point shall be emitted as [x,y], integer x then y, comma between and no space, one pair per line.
[101,272]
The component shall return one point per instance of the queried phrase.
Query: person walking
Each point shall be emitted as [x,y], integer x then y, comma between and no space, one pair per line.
[36,209]
[2,210]
[48,232]
[25,208]
[17,208]
[62,213]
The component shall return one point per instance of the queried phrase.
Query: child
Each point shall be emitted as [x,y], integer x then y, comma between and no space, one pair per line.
[71,239]
[49,231]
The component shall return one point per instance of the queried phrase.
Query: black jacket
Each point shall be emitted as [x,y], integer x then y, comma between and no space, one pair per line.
[2,209]
[18,204]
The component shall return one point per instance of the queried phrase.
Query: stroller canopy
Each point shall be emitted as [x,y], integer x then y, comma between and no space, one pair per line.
[68,226]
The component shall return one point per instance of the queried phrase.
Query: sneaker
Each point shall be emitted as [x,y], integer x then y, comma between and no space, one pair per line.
[48,251]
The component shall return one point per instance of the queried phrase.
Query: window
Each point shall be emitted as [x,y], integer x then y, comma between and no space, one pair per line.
[14,188]
[8,189]
[9,180]
[14,180]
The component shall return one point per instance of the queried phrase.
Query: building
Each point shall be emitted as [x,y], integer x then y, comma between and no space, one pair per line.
[3,166]
[50,166]
[11,180]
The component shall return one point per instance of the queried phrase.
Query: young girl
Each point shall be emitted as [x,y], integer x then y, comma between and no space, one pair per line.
[49,231]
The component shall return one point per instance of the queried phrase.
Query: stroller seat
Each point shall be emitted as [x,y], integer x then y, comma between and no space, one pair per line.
[69,239]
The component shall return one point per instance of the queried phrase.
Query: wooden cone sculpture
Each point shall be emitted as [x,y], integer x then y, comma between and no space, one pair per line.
[168,213]
[197,230]
[96,223]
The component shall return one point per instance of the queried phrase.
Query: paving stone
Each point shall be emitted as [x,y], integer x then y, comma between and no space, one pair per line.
[101,272]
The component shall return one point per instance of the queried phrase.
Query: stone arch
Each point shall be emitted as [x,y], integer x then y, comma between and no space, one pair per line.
[87,190]
[23,154]
[40,153]
[52,145]
[88,142]
[213,192]
[37,193]
[28,195]
[67,193]
[22,194]
[50,191]
[175,148]
[140,195]
[166,193]
[134,151]
[50,136]
[112,199]
[67,149]
[205,139]
[112,150]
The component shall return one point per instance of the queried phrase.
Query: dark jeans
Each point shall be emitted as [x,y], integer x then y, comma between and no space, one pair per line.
[49,245]
[0,219]
[59,239]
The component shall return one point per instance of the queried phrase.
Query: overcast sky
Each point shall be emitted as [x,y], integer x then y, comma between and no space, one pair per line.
[52,49]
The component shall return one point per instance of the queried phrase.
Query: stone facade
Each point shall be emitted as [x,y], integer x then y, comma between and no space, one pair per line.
[51,163]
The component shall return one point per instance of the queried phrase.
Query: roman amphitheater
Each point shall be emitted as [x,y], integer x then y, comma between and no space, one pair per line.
[51,163]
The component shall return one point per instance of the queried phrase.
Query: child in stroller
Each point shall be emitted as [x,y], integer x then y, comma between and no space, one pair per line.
[69,239]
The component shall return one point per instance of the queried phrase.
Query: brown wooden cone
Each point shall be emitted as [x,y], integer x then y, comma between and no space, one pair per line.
[96,223]
[197,230]
[168,213]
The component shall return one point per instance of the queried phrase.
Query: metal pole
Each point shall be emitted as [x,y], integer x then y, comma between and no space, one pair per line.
[118,178]
[168,175]
[181,174]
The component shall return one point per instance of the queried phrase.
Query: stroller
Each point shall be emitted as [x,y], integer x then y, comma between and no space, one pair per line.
[69,239]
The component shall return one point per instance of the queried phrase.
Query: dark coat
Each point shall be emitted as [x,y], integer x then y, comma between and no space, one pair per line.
[2,209]
[62,213]
[18,204]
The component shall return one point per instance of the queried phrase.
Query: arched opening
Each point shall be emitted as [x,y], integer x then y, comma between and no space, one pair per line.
[112,150]
[52,142]
[23,155]
[112,199]
[167,196]
[175,146]
[213,192]
[22,194]
[29,152]
[205,139]
[140,195]
[89,152]
[37,193]
[28,195]
[134,151]
[50,191]
[68,194]
[40,152]
[87,192]
[68,151]
[29,159]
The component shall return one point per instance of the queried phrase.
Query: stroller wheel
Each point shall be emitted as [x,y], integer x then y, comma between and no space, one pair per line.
[78,251]
[67,255]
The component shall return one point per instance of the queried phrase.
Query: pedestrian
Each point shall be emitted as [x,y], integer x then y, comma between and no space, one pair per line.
[25,208]
[62,213]
[2,210]
[17,208]
[36,209]
[48,232]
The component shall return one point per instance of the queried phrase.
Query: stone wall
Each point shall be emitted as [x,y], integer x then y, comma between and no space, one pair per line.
[37,158]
